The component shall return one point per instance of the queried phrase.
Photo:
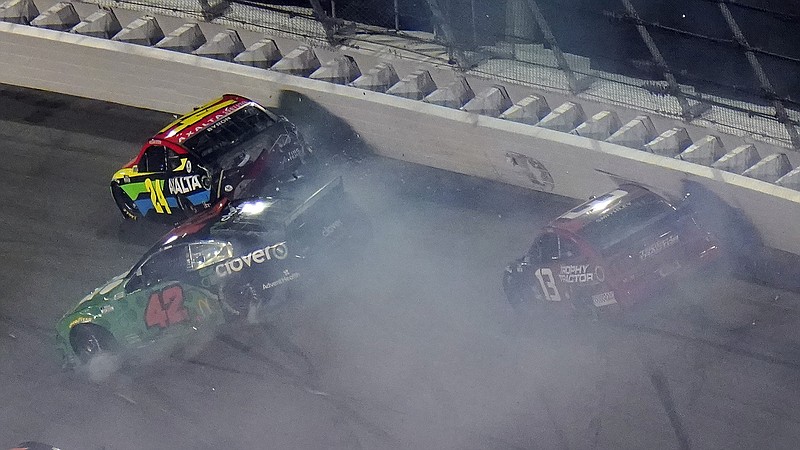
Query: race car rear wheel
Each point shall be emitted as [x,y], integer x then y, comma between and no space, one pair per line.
[239,298]
[189,209]
[89,341]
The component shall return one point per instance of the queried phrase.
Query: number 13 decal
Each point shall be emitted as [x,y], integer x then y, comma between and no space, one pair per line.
[548,284]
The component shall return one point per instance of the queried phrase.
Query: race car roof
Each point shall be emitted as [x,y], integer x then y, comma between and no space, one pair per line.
[598,208]
[201,118]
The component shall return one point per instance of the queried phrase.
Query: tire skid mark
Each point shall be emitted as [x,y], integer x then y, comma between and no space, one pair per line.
[661,386]
[341,403]
[601,385]
[560,434]
[337,402]
[709,343]
[27,325]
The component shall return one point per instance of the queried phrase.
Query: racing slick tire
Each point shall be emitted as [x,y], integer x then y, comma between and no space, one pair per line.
[89,340]
[239,299]
[124,203]
[521,295]
[189,209]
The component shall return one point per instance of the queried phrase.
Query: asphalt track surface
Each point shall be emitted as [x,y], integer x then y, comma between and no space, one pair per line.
[413,347]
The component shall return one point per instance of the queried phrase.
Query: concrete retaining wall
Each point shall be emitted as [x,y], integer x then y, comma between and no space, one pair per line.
[511,152]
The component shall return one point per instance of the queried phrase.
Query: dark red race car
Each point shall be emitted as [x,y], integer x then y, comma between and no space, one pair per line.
[609,252]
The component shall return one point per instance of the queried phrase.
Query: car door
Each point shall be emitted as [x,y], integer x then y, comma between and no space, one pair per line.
[561,266]
[146,186]
[188,185]
[167,298]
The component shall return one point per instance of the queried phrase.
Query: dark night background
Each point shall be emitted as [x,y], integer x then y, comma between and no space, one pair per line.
[598,30]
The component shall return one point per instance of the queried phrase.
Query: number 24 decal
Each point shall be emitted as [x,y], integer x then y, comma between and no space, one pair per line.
[156,190]
[548,284]
[165,308]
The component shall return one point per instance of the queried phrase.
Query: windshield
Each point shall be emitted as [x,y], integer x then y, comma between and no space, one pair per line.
[229,132]
[625,220]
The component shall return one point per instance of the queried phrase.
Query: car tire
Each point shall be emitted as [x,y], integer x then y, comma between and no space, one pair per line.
[89,340]
[189,209]
[124,203]
[239,298]
[518,293]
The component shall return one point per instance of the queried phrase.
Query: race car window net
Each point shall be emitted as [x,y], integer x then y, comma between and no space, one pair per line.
[240,126]
[173,160]
[546,248]
[154,159]
[169,264]
[624,221]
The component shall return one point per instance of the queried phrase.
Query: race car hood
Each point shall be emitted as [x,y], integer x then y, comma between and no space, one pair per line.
[114,289]
[91,307]
[292,207]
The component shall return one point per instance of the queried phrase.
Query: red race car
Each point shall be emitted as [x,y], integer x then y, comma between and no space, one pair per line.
[213,152]
[609,252]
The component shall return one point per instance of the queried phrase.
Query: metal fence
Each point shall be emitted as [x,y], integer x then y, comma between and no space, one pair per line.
[737,56]
[725,62]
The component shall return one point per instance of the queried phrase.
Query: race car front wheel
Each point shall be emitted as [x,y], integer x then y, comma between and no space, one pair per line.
[89,341]
[124,203]
[517,292]
[189,209]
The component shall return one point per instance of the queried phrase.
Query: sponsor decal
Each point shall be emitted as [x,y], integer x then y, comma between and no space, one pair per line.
[279,251]
[80,320]
[189,130]
[219,122]
[613,211]
[287,277]
[182,185]
[292,155]
[327,231]
[604,299]
[658,246]
[577,273]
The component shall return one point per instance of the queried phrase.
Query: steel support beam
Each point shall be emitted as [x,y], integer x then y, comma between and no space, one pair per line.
[324,20]
[574,86]
[758,71]
[674,88]
[456,54]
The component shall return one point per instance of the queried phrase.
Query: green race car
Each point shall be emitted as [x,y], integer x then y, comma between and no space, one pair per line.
[214,267]
[147,305]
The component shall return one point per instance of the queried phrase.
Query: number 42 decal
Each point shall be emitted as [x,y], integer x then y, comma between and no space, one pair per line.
[165,308]
[548,284]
